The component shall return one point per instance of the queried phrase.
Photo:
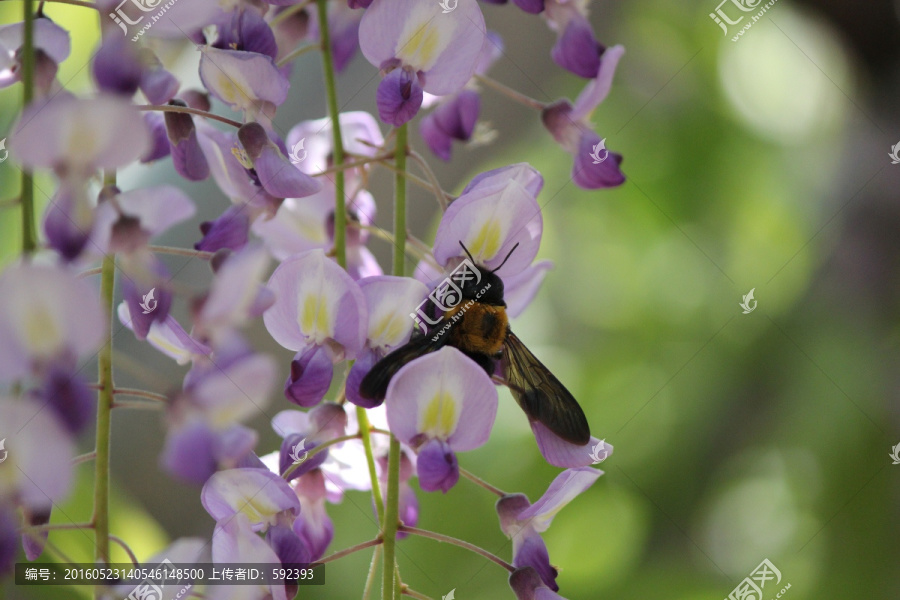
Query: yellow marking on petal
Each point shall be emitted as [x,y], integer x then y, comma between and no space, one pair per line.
[388,329]
[314,321]
[424,38]
[488,240]
[440,416]
[40,330]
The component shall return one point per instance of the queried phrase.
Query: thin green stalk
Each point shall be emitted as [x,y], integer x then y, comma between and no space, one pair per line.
[391,519]
[340,207]
[100,518]
[29,233]
[392,507]
[104,416]
[363,420]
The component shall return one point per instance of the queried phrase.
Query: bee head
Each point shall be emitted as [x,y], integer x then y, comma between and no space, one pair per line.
[489,288]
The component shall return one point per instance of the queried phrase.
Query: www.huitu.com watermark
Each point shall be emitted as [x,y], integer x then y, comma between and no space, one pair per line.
[123,20]
[724,20]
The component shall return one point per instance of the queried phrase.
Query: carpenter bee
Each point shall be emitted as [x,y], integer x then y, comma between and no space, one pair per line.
[478,326]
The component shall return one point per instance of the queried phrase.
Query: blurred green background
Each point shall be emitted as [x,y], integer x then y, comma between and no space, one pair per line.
[758,164]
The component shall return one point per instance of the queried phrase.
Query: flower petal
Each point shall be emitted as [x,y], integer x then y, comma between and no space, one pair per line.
[310,377]
[316,301]
[442,395]
[399,97]
[390,300]
[490,221]
[520,289]
[255,494]
[598,88]
[436,466]
[587,173]
[38,468]
[577,50]
[561,453]
[241,79]
[80,135]
[46,312]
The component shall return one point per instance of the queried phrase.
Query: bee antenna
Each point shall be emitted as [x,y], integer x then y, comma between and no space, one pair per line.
[469,254]
[507,258]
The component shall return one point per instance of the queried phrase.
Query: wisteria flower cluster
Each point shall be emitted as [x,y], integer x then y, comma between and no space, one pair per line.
[290,248]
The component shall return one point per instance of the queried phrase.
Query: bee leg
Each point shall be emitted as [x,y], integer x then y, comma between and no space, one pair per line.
[484,361]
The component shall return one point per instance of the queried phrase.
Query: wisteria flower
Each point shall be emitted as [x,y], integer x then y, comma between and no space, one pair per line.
[594,167]
[247,82]
[440,404]
[456,115]
[49,320]
[523,522]
[490,218]
[576,48]
[320,313]
[276,173]
[390,300]
[360,135]
[51,43]
[205,418]
[257,494]
[76,137]
[168,336]
[419,49]
[37,471]
[302,432]
[235,296]
[235,541]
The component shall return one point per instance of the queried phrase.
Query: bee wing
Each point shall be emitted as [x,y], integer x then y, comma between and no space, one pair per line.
[375,384]
[541,395]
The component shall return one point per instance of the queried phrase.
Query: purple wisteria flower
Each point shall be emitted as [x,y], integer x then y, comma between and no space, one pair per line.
[480,218]
[308,223]
[247,82]
[35,475]
[389,300]
[320,313]
[524,522]
[302,432]
[121,67]
[419,49]
[76,138]
[440,404]
[595,167]
[236,295]
[205,431]
[235,541]
[52,46]
[576,48]
[261,496]
[49,321]
[168,336]
[456,115]
[125,223]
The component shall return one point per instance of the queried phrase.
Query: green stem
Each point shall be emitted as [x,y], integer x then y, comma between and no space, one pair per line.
[340,207]
[350,550]
[391,519]
[29,233]
[457,542]
[370,578]
[392,507]
[104,416]
[363,420]
[300,51]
